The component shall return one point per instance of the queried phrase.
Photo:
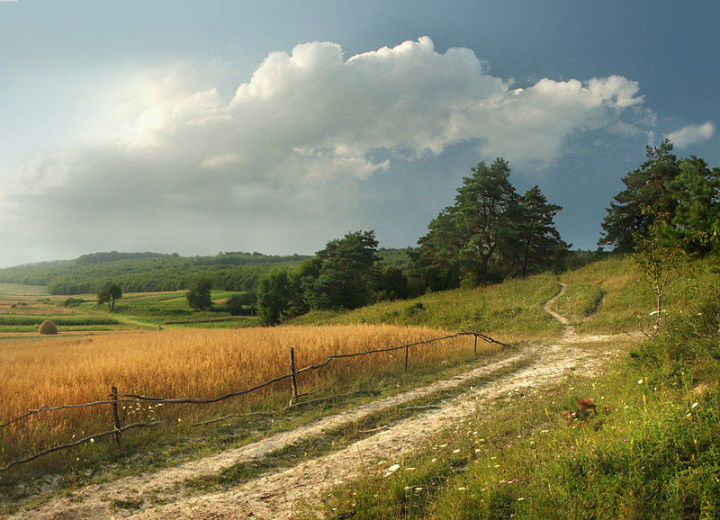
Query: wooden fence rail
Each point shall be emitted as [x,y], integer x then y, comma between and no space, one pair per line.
[116,398]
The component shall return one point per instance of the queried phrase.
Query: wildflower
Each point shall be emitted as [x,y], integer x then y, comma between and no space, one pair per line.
[92,441]
[521,499]
[434,460]
[694,405]
[456,451]
[418,489]
[461,489]
[392,469]
[640,381]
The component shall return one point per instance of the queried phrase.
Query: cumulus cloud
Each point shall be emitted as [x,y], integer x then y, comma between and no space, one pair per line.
[291,145]
[692,134]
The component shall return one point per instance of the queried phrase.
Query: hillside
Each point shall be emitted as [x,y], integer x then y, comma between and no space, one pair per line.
[153,272]
[456,435]
[144,272]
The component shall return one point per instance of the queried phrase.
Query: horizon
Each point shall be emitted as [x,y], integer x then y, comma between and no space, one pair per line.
[277,128]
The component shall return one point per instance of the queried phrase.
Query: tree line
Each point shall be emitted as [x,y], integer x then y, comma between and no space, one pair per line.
[489,233]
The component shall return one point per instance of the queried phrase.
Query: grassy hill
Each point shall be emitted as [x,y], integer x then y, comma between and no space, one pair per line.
[647,445]
[607,296]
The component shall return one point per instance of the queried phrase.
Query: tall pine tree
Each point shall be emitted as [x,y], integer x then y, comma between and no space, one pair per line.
[645,202]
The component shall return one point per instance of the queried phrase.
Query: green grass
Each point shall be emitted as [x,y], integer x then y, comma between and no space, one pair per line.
[579,301]
[61,320]
[172,309]
[513,308]
[627,298]
[16,289]
[651,451]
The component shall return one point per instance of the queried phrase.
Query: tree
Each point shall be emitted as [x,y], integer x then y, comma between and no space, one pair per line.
[241,303]
[109,294]
[539,241]
[198,295]
[489,231]
[696,223]
[345,272]
[392,284]
[659,264]
[278,295]
[646,201]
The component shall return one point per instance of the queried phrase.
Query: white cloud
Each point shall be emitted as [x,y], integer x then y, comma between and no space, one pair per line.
[288,149]
[692,134]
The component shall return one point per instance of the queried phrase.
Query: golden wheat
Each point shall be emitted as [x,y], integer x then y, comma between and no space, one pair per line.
[189,363]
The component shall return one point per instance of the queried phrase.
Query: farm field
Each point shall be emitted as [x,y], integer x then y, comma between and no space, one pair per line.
[192,363]
[23,308]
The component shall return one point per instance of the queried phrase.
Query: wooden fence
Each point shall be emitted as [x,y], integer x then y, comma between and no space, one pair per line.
[115,398]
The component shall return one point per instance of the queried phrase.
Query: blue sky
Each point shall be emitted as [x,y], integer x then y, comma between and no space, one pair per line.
[211,126]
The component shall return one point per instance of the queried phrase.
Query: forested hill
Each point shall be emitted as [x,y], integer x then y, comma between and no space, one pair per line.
[236,271]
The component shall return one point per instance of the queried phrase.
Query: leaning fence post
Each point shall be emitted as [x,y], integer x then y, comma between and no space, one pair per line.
[116,414]
[407,351]
[475,346]
[293,378]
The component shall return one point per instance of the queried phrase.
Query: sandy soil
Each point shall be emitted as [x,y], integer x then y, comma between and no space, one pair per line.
[276,495]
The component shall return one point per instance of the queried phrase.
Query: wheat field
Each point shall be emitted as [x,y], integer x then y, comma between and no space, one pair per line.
[190,363]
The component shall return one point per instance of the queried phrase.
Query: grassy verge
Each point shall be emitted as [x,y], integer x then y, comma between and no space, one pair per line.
[627,299]
[513,307]
[579,301]
[650,451]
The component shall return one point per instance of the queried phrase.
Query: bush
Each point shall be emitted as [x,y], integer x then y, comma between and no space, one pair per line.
[48,327]
[72,302]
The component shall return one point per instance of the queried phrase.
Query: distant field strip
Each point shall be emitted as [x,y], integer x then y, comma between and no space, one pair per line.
[59,320]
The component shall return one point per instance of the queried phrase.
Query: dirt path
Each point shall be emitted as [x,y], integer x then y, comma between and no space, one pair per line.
[274,496]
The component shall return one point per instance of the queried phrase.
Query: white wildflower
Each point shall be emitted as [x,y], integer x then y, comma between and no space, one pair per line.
[392,469]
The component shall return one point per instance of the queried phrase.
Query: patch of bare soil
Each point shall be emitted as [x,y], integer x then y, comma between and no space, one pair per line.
[276,495]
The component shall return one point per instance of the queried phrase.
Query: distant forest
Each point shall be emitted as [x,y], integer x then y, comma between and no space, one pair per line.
[147,272]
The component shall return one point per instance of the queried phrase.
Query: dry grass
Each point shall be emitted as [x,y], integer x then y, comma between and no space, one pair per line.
[189,362]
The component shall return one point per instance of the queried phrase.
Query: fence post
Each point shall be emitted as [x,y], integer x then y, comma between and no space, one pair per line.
[116,414]
[294,397]
[407,351]
[475,346]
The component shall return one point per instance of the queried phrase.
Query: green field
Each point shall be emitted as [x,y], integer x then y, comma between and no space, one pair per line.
[16,289]
[133,311]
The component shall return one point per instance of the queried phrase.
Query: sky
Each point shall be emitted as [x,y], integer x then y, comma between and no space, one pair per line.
[199,127]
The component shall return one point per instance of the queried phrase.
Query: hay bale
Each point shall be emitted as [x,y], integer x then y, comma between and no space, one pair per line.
[48,327]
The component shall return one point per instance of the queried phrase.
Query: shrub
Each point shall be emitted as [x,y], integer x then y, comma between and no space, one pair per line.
[48,327]
[72,302]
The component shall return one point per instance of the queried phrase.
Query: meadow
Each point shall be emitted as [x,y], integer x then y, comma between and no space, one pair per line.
[646,448]
[512,308]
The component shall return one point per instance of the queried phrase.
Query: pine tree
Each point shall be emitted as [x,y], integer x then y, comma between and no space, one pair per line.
[646,202]
[539,241]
